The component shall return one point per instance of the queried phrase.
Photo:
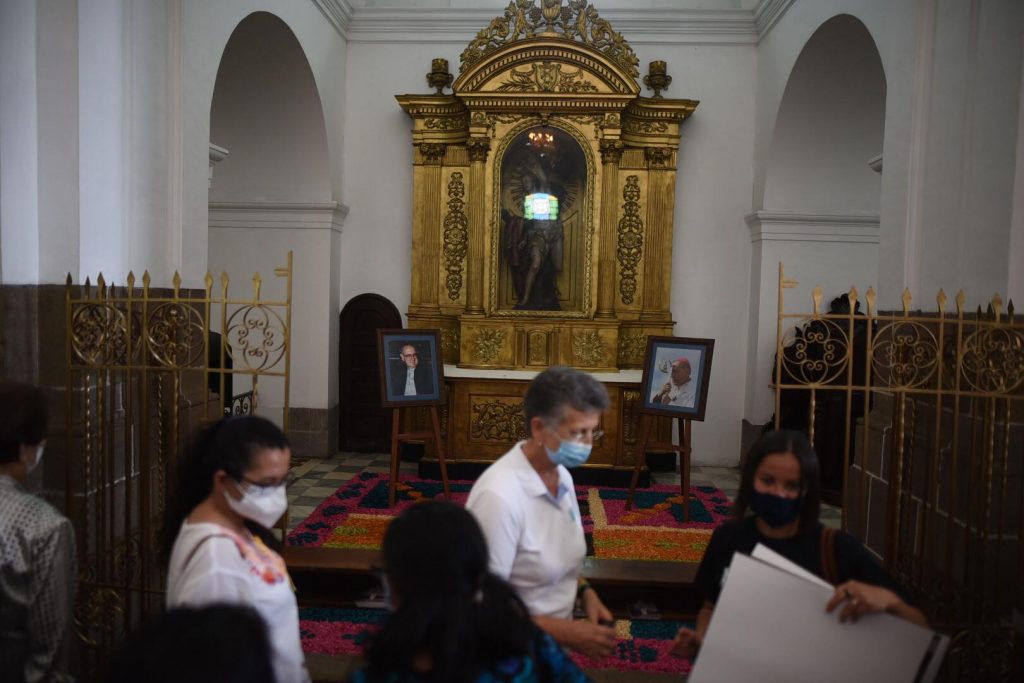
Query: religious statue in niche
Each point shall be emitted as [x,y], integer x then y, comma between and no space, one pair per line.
[543,174]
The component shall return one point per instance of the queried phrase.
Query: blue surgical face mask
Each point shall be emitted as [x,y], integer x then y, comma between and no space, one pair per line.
[776,511]
[570,453]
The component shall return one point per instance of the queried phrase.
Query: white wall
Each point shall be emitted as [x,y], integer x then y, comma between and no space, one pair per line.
[38,141]
[19,207]
[255,238]
[953,80]
[953,72]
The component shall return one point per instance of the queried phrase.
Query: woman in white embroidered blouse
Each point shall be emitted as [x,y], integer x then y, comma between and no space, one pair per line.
[231,489]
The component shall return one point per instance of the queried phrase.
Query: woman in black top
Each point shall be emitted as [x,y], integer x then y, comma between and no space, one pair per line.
[780,488]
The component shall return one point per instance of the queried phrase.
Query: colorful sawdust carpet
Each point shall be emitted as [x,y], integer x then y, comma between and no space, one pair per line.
[642,645]
[358,513]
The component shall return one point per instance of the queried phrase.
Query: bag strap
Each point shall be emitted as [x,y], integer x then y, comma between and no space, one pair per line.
[197,546]
[829,565]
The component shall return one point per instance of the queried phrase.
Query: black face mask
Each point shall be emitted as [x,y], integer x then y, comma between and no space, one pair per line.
[776,511]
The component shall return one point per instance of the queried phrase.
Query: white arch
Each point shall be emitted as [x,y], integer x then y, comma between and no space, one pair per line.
[821,199]
[830,123]
[266,112]
[274,193]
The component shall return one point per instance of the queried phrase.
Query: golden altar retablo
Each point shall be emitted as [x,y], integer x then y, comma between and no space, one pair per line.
[544,195]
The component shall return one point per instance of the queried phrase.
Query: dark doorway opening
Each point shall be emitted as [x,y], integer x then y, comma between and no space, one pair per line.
[364,426]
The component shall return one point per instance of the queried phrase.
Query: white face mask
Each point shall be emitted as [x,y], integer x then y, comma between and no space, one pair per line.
[261,504]
[39,458]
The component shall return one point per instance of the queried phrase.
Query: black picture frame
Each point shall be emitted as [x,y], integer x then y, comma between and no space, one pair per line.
[428,377]
[661,356]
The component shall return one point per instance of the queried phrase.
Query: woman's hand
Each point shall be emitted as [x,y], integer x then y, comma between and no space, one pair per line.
[595,609]
[592,639]
[858,599]
[686,643]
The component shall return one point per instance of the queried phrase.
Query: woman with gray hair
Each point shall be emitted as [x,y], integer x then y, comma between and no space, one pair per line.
[526,505]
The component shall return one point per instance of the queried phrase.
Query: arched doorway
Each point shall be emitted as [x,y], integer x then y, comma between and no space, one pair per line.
[364,425]
[270,194]
[822,200]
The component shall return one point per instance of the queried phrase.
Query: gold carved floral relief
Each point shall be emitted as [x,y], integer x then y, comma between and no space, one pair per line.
[547,77]
[538,348]
[456,235]
[630,246]
[631,348]
[500,421]
[587,348]
[450,340]
[487,345]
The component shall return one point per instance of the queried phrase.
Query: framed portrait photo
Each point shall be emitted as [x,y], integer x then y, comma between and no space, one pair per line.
[677,371]
[411,370]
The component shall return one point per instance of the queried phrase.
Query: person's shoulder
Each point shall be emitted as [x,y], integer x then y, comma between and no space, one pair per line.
[44,516]
[500,480]
[209,546]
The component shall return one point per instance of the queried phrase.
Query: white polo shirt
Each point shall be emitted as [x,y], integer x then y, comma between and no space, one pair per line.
[535,539]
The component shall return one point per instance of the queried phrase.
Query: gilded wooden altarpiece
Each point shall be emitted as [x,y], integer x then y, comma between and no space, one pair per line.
[546,104]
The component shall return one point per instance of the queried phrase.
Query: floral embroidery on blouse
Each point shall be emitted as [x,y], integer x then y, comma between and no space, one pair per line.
[263,562]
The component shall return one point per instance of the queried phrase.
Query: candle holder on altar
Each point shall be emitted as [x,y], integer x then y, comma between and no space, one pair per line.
[657,78]
[439,77]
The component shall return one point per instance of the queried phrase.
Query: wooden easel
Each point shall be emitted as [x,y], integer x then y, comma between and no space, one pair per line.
[397,438]
[683,448]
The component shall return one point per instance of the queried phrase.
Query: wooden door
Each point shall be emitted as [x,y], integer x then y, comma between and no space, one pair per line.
[363,424]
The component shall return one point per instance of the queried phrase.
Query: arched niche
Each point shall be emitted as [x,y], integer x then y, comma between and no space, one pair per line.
[543,220]
[266,111]
[270,195]
[830,125]
[822,198]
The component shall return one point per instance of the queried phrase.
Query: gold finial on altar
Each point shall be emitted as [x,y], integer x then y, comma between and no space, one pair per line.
[657,78]
[551,9]
[439,76]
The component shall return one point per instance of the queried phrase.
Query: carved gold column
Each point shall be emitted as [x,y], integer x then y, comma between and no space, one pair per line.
[611,154]
[660,211]
[427,235]
[478,148]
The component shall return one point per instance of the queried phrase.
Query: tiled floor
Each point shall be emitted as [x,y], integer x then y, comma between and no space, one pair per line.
[314,480]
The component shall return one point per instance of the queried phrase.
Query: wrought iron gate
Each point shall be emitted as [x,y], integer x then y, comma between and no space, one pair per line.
[145,367]
[932,467]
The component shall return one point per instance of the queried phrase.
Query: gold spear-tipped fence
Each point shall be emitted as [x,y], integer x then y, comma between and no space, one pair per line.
[922,415]
[145,367]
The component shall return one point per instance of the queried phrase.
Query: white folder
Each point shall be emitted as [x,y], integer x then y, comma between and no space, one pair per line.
[770,624]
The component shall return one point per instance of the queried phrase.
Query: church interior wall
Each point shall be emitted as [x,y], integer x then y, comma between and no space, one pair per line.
[710,247]
[1015,286]
[108,166]
[952,75]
